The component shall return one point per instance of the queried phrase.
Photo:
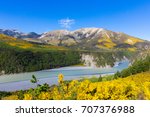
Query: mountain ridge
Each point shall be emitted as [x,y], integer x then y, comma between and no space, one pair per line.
[84,38]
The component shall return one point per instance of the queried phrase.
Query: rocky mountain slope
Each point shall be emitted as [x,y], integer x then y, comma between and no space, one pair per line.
[93,38]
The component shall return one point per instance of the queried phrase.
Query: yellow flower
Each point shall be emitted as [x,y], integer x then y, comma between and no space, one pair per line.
[60,78]
[44,96]
[27,96]
[146,90]
[12,97]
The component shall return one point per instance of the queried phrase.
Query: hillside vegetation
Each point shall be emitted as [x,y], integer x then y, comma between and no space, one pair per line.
[22,44]
[138,66]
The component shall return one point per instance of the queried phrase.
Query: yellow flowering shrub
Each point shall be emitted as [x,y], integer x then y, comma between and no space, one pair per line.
[60,78]
[12,97]
[56,94]
[27,96]
[146,90]
[44,96]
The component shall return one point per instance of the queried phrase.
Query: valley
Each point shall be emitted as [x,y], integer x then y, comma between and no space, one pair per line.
[102,55]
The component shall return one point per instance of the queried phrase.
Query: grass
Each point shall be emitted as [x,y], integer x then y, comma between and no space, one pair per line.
[79,65]
[100,79]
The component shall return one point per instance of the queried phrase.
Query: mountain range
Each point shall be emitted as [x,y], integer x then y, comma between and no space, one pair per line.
[84,38]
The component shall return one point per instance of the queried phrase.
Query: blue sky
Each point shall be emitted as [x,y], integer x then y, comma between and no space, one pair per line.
[128,16]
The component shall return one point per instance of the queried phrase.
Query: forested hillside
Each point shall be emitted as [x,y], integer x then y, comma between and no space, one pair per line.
[15,61]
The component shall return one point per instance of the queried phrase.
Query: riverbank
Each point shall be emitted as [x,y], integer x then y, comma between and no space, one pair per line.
[22,81]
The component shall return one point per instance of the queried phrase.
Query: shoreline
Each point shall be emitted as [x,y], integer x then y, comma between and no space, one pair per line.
[75,66]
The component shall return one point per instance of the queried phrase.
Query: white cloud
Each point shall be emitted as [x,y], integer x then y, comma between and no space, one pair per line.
[66,23]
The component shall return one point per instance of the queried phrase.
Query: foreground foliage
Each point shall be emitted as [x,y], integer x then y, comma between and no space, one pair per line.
[135,87]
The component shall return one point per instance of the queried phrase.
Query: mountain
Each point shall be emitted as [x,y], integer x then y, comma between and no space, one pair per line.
[83,39]
[93,38]
[12,33]
[17,34]
[32,35]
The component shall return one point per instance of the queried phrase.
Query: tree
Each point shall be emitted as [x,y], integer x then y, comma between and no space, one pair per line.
[100,78]
[34,80]
[117,75]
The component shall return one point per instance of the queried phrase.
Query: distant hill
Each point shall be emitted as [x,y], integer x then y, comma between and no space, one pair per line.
[22,44]
[18,34]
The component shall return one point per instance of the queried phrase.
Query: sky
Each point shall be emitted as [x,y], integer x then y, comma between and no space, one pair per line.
[129,16]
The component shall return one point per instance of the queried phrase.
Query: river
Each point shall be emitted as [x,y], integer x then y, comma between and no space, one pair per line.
[21,81]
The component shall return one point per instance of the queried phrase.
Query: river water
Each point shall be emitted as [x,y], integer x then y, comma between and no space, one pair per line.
[21,81]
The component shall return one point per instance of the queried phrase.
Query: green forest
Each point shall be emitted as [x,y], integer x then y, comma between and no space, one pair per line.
[17,60]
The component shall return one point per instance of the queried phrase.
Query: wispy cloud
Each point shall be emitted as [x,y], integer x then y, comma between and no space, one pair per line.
[66,23]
